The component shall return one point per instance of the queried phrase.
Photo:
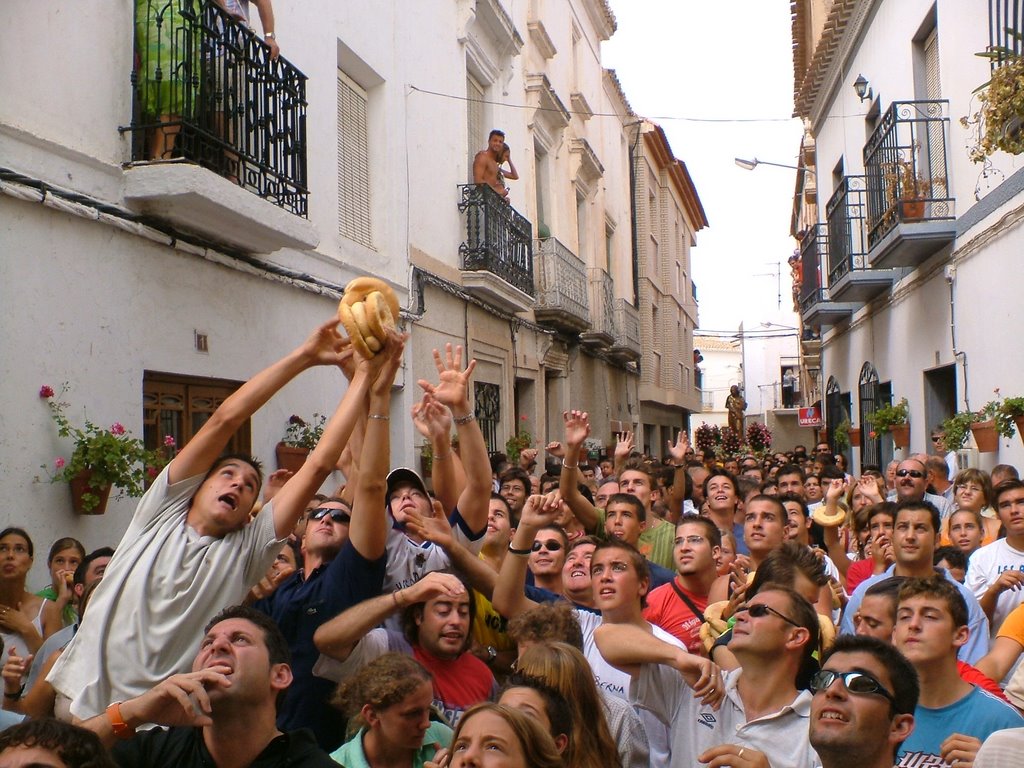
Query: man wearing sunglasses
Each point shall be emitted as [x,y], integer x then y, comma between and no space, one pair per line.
[864,699]
[750,717]
[952,717]
[912,485]
[914,538]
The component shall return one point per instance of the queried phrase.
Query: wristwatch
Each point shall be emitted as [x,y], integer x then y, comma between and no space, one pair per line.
[270,36]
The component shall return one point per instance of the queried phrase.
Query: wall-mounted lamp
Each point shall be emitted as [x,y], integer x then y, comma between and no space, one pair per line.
[860,85]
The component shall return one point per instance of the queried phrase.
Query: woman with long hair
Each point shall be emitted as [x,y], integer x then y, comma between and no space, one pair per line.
[390,700]
[65,556]
[565,669]
[496,736]
[21,613]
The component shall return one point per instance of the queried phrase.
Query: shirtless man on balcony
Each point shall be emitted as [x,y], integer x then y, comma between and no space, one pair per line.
[487,164]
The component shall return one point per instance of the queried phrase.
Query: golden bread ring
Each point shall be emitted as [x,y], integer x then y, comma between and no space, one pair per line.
[821,517]
[352,328]
[378,316]
[357,290]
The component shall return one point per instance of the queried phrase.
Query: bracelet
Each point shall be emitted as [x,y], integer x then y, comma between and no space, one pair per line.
[15,696]
[570,466]
[381,416]
[394,596]
[121,729]
[442,456]
[515,551]
[463,420]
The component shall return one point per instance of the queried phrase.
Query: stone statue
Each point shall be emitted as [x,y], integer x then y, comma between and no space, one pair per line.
[735,405]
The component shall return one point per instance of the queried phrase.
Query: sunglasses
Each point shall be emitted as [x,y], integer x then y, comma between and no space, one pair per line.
[859,683]
[337,515]
[760,610]
[914,473]
[551,545]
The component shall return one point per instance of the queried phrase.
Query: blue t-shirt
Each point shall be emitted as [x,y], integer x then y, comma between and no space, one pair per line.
[299,606]
[977,714]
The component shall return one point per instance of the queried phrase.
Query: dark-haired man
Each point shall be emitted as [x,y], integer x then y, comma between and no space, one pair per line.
[191,548]
[222,713]
[912,485]
[51,743]
[863,706]
[995,573]
[486,164]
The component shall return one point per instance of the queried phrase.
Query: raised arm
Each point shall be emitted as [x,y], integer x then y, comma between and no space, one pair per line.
[340,635]
[369,529]
[452,390]
[509,599]
[836,550]
[623,449]
[434,422]
[324,347]
[577,428]
[680,480]
[437,529]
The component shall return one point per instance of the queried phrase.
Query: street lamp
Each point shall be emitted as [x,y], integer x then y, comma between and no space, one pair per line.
[749,165]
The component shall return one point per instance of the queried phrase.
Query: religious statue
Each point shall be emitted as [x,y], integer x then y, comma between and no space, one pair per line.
[735,405]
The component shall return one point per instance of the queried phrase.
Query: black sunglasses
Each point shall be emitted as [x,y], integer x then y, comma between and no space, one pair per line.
[551,545]
[760,610]
[337,515]
[914,473]
[860,683]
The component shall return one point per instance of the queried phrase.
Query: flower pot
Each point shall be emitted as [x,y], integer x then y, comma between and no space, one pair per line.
[291,458]
[80,486]
[854,437]
[1019,421]
[985,435]
[900,435]
[912,209]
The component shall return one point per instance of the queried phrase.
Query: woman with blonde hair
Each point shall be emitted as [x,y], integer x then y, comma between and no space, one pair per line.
[566,670]
[512,739]
[390,700]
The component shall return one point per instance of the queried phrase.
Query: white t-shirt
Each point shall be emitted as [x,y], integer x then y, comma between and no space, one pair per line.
[983,570]
[782,735]
[164,583]
[613,681]
[408,562]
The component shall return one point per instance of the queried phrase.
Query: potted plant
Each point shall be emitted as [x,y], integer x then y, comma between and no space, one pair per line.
[299,439]
[913,191]
[1010,417]
[894,419]
[984,428]
[841,434]
[101,459]
[426,459]
[1000,118]
[956,428]
[515,445]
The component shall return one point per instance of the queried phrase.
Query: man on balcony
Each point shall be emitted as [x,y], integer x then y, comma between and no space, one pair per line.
[487,164]
[239,9]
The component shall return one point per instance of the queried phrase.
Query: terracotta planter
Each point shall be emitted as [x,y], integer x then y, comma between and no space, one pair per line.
[900,435]
[912,209]
[985,435]
[80,485]
[290,457]
[854,437]
[1019,421]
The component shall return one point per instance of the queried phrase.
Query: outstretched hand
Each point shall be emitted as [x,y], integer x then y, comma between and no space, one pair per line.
[326,346]
[432,419]
[577,428]
[452,388]
[383,367]
[679,449]
[624,446]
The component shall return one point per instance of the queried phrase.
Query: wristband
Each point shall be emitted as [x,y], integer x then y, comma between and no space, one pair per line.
[515,551]
[463,420]
[14,696]
[570,466]
[381,416]
[121,729]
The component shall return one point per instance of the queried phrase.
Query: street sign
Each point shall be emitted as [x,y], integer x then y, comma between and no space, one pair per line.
[809,417]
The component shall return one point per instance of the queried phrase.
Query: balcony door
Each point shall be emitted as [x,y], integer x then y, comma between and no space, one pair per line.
[870,401]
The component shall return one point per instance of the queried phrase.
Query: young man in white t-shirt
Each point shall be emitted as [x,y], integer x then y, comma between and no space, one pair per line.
[995,573]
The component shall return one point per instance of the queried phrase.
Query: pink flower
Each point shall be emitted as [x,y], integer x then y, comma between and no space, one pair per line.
[152,472]
[46,391]
[523,417]
[116,428]
[169,441]
[59,462]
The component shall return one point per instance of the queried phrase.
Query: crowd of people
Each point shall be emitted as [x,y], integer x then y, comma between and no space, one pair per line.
[563,609]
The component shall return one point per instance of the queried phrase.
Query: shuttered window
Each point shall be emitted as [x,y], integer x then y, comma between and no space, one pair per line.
[476,131]
[353,163]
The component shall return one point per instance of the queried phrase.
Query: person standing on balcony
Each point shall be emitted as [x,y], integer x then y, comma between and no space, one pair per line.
[487,164]
[239,9]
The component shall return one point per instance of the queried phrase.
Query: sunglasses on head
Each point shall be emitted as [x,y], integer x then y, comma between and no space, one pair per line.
[914,473]
[860,683]
[760,610]
[551,545]
[337,515]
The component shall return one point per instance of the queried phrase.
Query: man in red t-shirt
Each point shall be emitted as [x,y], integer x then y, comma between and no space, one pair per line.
[678,607]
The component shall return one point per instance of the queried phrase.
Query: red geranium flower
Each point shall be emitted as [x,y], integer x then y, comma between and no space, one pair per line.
[46,391]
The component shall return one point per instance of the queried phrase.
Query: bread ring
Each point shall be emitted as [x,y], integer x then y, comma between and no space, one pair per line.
[821,517]
[358,289]
[352,328]
[378,316]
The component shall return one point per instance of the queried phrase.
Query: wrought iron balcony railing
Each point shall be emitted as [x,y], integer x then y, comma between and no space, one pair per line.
[812,248]
[1004,18]
[627,330]
[905,166]
[561,278]
[207,90]
[847,242]
[602,303]
[498,238]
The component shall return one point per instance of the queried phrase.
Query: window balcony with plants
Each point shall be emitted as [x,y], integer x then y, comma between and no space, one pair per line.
[910,211]
[561,282]
[816,307]
[850,277]
[497,254]
[218,129]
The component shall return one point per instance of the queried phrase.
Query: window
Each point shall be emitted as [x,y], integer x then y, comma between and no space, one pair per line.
[353,163]
[581,226]
[487,398]
[540,180]
[178,406]
[609,249]
[476,130]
